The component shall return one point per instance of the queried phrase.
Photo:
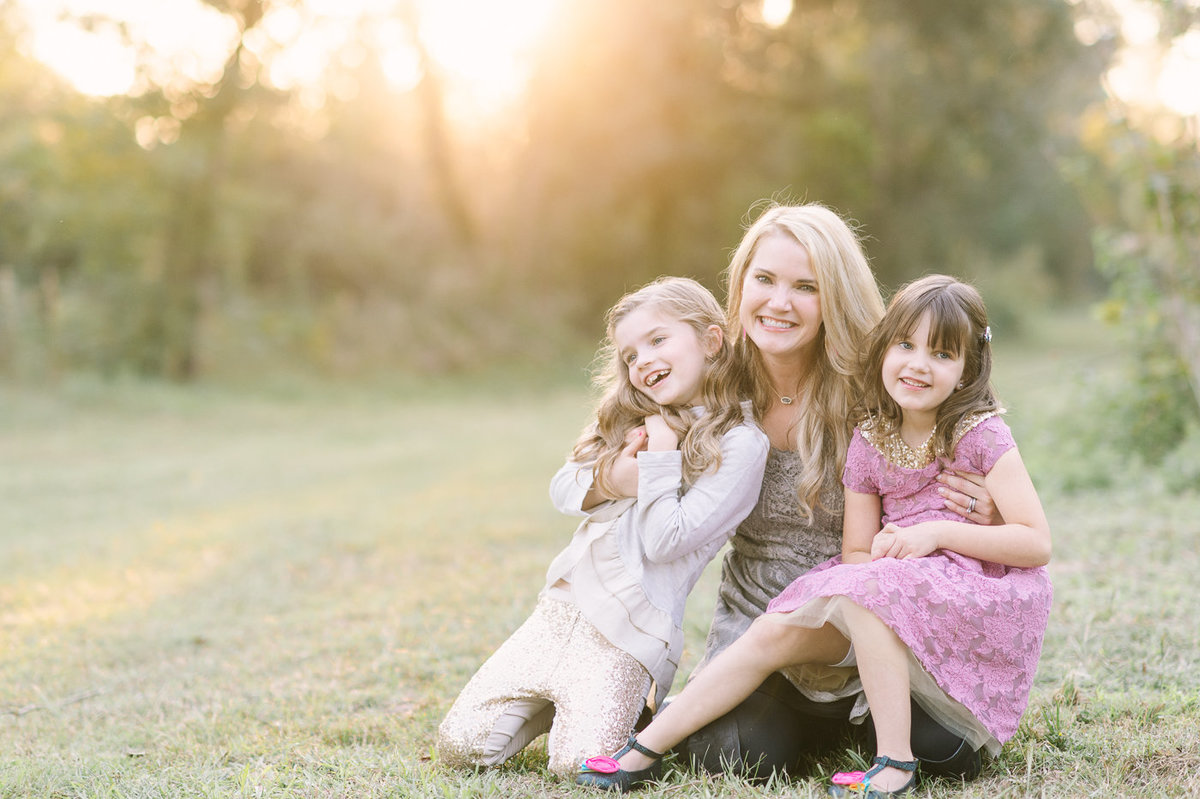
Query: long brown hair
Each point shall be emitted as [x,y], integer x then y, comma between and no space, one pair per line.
[622,407]
[850,307]
[958,324]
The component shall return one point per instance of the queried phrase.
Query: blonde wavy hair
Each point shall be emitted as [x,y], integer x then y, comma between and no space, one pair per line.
[621,407]
[850,306]
[958,324]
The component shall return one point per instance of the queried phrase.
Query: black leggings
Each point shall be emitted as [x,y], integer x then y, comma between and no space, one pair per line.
[776,726]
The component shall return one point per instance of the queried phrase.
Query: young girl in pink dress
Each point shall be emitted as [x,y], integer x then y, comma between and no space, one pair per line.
[921,604]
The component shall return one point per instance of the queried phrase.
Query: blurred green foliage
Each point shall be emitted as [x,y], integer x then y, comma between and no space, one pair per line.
[1158,403]
[1143,190]
[253,229]
[233,228]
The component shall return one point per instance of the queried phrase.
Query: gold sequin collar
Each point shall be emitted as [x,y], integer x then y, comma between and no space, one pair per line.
[897,451]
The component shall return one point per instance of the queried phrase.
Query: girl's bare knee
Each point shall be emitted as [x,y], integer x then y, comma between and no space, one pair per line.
[778,640]
[786,644]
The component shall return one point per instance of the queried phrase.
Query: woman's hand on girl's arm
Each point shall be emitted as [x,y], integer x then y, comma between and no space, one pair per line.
[1023,540]
[960,488]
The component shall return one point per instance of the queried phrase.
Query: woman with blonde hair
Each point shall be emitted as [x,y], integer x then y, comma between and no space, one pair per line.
[801,301]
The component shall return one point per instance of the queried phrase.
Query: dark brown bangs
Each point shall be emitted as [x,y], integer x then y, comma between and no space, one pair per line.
[949,325]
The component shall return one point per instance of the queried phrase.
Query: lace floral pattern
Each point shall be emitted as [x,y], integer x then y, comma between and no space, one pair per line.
[975,627]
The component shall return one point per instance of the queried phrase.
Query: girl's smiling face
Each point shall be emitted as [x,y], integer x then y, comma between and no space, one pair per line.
[666,359]
[918,376]
[780,308]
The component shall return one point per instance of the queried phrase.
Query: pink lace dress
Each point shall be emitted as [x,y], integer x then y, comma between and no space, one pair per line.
[974,629]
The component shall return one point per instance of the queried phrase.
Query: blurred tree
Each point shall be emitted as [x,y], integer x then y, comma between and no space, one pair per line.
[133,235]
[635,151]
[938,126]
[198,175]
[28,100]
[439,145]
[956,115]
[308,203]
[1143,186]
[72,201]
[351,223]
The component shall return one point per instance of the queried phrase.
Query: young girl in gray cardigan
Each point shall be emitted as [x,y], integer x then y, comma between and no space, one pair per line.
[671,465]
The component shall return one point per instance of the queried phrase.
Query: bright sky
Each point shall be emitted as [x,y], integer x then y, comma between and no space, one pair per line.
[1145,74]
[483,46]
[97,62]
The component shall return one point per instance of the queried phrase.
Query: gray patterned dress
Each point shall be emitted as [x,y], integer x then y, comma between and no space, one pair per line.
[773,547]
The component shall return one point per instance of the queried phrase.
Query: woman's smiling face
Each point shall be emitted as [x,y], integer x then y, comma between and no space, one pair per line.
[780,307]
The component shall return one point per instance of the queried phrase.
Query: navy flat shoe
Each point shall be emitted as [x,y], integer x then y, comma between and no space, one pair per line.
[606,773]
[858,784]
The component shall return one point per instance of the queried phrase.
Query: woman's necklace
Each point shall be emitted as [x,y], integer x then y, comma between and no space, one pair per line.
[782,398]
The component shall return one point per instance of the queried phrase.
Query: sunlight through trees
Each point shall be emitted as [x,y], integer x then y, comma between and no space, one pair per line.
[229,186]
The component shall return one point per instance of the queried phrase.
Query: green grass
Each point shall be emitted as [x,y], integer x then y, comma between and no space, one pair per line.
[250,592]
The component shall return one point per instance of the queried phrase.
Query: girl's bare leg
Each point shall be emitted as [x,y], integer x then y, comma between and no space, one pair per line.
[883,667]
[769,645]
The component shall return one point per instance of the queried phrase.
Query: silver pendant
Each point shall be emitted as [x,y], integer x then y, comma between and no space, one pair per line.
[786,400]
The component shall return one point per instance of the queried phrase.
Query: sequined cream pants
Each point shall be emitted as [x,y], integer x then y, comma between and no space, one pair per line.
[556,673]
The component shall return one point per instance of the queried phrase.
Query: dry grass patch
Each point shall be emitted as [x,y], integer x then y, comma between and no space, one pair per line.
[211,592]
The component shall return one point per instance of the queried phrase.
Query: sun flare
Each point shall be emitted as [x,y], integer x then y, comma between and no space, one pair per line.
[93,56]
[482,49]
[94,64]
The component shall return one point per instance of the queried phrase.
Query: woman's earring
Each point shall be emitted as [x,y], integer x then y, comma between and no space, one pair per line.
[962,384]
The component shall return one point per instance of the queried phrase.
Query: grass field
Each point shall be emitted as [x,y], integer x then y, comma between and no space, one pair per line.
[278,592]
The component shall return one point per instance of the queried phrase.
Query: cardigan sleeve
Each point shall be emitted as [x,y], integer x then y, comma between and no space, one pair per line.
[673,522]
[569,486]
